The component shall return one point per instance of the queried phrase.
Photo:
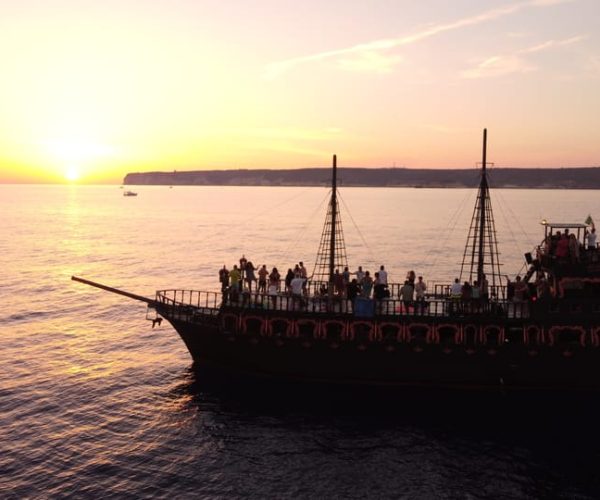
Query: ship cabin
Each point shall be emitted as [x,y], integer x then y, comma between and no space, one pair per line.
[564,259]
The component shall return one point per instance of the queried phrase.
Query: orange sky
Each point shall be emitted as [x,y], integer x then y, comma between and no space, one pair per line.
[93,90]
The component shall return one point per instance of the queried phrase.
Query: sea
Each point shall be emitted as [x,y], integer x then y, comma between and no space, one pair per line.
[95,403]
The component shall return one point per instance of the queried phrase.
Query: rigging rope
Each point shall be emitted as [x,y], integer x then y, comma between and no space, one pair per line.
[304,228]
[448,230]
[364,241]
[504,208]
[270,209]
[514,217]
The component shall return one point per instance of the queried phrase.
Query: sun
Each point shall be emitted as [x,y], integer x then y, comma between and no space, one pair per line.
[72,174]
[75,156]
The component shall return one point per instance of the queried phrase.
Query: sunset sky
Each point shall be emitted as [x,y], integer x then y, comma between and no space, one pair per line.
[91,90]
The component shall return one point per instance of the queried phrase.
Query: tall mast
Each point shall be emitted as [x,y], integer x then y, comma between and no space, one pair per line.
[483,189]
[333,219]
[332,248]
[481,256]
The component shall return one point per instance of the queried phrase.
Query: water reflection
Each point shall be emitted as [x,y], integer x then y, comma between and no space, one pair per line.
[433,443]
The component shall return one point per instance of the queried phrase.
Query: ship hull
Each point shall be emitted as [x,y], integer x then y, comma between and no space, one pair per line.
[392,362]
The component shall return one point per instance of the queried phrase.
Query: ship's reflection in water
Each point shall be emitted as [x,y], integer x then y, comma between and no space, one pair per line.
[409,442]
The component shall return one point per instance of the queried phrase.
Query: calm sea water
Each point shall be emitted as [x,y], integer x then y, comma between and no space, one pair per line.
[94,402]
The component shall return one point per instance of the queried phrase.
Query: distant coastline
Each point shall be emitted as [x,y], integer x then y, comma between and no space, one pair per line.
[527,178]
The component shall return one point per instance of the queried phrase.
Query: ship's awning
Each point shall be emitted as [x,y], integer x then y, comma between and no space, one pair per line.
[564,225]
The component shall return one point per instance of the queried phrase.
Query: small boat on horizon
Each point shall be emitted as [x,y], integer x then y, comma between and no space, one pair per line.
[129,193]
[483,331]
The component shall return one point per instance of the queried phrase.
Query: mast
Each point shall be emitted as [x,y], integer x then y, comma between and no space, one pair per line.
[483,189]
[333,204]
[481,255]
[332,248]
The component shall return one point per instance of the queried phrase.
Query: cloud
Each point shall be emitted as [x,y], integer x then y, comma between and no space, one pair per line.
[368,56]
[552,43]
[501,65]
[370,61]
[547,3]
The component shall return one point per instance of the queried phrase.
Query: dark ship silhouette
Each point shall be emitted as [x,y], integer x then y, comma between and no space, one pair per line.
[541,332]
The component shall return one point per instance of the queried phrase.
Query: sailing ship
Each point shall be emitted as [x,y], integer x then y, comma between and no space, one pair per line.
[542,332]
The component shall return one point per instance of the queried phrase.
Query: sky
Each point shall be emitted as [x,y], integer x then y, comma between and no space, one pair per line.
[90,90]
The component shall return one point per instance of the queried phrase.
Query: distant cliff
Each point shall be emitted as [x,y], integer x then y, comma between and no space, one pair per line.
[568,178]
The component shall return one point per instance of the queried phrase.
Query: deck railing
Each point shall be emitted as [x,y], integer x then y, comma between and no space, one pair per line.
[187,298]
[194,301]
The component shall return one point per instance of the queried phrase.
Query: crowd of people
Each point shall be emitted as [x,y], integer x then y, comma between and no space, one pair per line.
[246,277]
[564,247]
[346,284]
[477,292]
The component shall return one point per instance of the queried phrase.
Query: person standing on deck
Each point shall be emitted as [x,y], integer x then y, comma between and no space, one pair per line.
[297,293]
[573,249]
[250,277]
[420,289]
[304,276]
[591,238]
[352,290]
[406,294]
[235,276]
[262,279]
[484,289]
[274,280]
[346,276]
[360,275]
[367,285]
[338,283]
[562,247]
[224,278]
[378,287]
[243,261]
[274,284]
[520,290]
[383,276]
[456,289]
[288,280]
[455,295]
[475,295]
[466,296]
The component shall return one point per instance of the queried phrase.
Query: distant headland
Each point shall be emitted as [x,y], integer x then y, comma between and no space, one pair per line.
[527,178]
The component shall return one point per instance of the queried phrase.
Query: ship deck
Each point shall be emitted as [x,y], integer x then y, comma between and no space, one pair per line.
[434,306]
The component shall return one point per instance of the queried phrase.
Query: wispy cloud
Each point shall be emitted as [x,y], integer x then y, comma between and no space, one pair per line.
[552,43]
[370,61]
[282,133]
[517,62]
[370,55]
[546,3]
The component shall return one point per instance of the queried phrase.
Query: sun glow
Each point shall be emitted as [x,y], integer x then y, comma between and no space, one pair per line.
[72,174]
[75,156]
[76,149]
